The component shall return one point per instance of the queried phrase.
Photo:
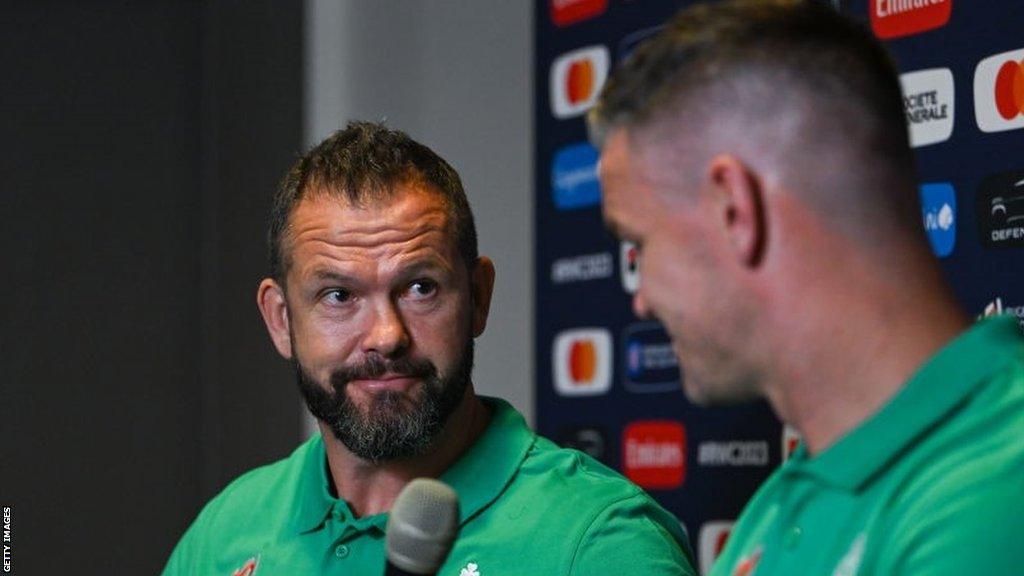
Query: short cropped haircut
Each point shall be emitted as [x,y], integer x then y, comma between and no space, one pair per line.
[363,164]
[824,50]
[799,57]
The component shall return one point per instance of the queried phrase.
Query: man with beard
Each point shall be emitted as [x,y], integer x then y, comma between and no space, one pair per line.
[376,294]
[756,152]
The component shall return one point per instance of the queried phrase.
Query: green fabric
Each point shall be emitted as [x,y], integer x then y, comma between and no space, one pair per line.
[932,484]
[528,507]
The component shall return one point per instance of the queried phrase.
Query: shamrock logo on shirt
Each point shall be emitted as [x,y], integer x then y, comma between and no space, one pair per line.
[469,570]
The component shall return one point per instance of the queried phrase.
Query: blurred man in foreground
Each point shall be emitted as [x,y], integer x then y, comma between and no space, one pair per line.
[757,154]
[376,294]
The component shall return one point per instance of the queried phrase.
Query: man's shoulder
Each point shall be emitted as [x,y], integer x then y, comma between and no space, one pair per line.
[610,514]
[975,454]
[264,491]
[571,475]
[959,504]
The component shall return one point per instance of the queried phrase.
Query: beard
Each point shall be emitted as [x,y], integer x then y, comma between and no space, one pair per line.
[387,430]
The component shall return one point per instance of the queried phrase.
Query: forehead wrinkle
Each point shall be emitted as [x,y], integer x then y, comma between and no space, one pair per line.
[367,267]
[377,240]
[370,236]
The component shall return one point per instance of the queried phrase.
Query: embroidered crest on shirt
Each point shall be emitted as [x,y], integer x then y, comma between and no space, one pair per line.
[470,570]
[249,568]
[747,564]
[850,563]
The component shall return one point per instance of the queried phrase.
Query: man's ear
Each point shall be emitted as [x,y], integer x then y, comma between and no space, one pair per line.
[739,195]
[271,301]
[482,285]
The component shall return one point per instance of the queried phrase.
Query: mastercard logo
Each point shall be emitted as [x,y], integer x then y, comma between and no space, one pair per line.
[579,82]
[1009,90]
[576,80]
[582,361]
[711,542]
[999,92]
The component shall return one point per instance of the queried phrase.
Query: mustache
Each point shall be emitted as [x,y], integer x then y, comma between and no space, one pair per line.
[376,366]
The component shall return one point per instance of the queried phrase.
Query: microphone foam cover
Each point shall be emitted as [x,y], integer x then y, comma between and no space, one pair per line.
[422,526]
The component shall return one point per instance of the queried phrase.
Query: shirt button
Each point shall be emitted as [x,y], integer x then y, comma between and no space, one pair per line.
[792,537]
[341,551]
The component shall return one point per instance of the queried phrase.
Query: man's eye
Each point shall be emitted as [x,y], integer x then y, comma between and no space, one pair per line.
[422,289]
[338,296]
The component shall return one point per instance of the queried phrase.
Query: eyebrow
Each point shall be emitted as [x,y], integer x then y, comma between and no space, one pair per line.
[425,265]
[332,275]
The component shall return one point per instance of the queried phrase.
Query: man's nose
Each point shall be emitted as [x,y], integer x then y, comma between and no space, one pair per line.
[386,334]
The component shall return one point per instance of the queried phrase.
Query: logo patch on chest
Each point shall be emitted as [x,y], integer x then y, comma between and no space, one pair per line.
[249,568]
[747,564]
[470,570]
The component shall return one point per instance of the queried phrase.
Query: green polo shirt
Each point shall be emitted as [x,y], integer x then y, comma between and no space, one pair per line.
[933,483]
[527,507]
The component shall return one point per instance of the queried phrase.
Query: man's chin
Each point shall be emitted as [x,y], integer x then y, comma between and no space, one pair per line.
[711,395]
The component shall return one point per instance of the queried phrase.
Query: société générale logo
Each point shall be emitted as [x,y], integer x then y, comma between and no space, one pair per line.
[928,100]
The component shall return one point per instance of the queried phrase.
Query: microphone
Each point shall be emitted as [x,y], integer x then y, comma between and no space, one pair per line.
[421,528]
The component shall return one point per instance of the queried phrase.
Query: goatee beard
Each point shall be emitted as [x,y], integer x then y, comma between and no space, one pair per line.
[388,429]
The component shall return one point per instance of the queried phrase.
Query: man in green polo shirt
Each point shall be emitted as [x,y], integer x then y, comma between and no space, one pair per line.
[757,154]
[376,294]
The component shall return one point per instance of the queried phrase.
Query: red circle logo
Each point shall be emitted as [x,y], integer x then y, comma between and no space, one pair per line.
[1010,89]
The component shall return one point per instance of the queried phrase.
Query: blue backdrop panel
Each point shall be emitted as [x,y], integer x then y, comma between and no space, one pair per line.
[607,383]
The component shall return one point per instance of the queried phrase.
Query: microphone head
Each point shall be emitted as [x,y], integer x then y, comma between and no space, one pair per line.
[422,526]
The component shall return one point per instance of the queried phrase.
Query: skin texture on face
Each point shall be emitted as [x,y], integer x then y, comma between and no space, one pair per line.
[378,317]
[686,265]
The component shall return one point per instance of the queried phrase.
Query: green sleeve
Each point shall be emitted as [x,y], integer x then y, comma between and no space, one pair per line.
[976,531]
[634,536]
[186,557]
[181,562]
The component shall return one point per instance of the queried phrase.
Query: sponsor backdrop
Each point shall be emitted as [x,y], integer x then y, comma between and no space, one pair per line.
[608,383]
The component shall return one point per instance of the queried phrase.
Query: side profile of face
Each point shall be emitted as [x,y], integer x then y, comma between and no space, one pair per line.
[683,256]
[378,317]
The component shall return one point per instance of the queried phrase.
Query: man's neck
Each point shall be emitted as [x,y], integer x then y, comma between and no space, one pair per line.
[371,488]
[858,336]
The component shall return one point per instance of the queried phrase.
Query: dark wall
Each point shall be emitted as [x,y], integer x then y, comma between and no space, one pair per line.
[139,146]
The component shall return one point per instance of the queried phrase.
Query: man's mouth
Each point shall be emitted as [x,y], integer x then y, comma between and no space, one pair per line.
[393,382]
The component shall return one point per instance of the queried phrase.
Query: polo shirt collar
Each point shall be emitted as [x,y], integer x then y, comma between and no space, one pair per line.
[313,499]
[478,477]
[944,382]
[491,463]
